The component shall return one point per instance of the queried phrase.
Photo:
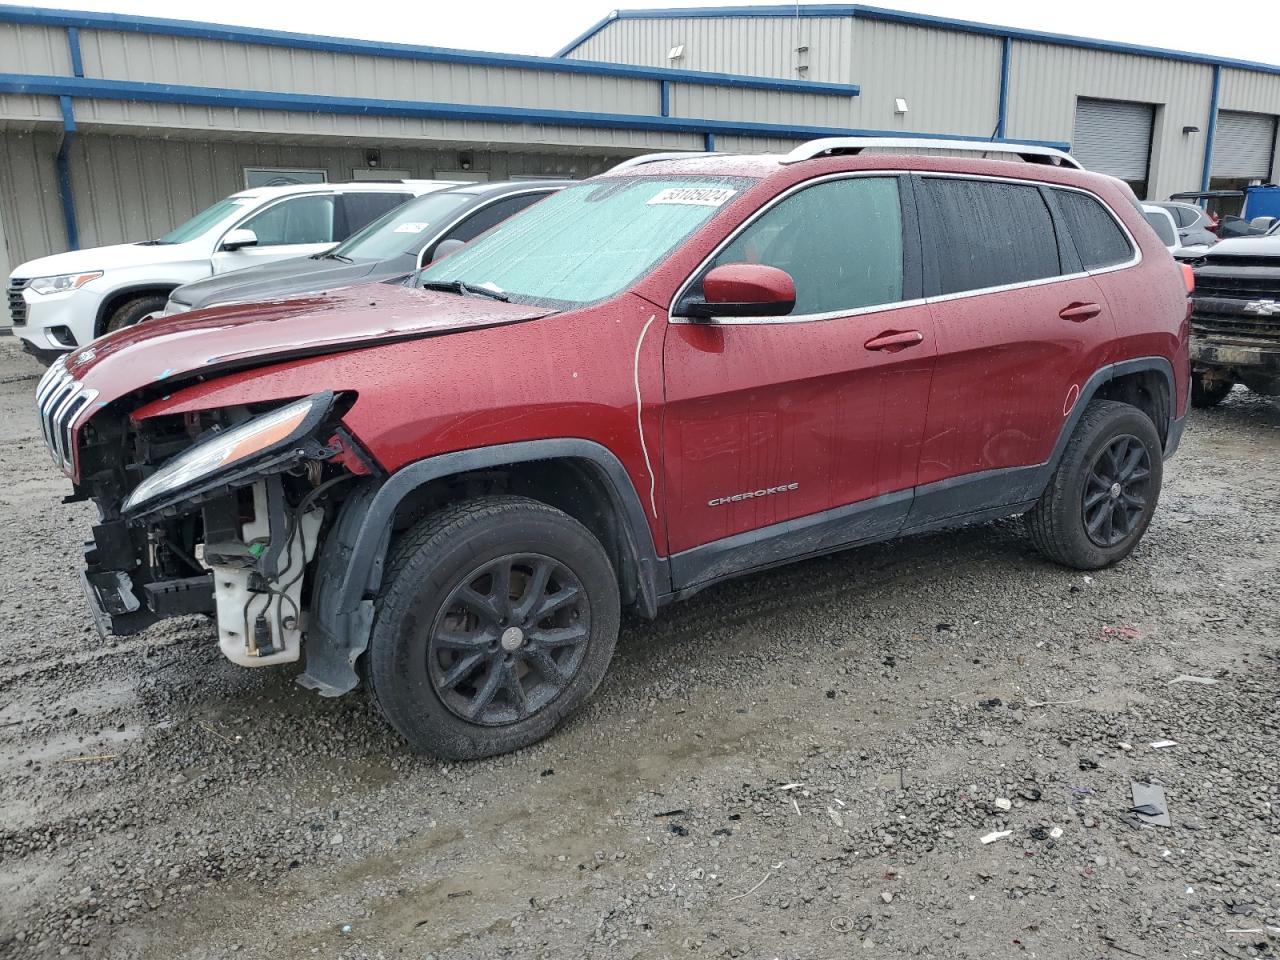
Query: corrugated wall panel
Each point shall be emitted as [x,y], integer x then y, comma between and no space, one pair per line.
[951,81]
[29,195]
[757,46]
[212,63]
[30,48]
[1045,81]
[119,115]
[20,107]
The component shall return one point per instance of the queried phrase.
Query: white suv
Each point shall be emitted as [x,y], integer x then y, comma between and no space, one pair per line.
[61,302]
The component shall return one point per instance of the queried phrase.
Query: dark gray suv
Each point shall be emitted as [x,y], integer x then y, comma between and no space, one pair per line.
[395,244]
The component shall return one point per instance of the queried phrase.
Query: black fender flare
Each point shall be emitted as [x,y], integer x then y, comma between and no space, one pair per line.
[128,293]
[353,557]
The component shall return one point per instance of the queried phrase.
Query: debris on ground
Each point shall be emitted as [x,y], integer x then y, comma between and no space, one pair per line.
[1189,678]
[1149,804]
[995,835]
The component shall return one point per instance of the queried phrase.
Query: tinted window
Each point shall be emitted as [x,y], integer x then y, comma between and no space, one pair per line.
[405,229]
[491,216]
[363,208]
[300,220]
[1098,238]
[987,234]
[1163,227]
[841,242]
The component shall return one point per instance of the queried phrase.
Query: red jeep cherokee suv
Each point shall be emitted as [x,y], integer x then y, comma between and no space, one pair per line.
[678,372]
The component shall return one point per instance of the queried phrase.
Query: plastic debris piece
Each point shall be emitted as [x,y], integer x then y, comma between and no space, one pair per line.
[791,786]
[670,813]
[1163,744]
[1189,678]
[995,835]
[1055,833]
[1004,803]
[1149,804]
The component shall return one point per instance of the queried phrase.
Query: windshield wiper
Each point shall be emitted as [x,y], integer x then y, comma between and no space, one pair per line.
[336,256]
[465,289]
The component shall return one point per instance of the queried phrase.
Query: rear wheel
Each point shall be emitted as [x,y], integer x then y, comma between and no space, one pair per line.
[498,618]
[1104,492]
[1208,393]
[131,311]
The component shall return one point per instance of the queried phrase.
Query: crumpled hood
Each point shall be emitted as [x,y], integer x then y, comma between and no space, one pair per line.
[284,278]
[176,349]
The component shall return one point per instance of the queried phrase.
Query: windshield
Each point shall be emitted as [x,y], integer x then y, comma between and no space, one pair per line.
[590,241]
[205,219]
[405,229]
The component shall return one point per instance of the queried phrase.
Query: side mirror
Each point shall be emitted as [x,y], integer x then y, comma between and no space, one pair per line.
[446,247]
[744,290]
[235,239]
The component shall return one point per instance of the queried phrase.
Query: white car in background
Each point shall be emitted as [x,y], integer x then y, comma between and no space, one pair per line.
[62,302]
[1166,228]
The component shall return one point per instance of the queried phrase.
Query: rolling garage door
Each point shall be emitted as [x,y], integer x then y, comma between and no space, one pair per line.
[1114,137]
[1243,145]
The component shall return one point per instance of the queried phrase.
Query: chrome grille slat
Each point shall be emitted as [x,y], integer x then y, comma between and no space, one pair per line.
[17,305]
[60,399]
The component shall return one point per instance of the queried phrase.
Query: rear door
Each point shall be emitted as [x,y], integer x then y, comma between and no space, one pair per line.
[1020,327]
[775,426]
[359,209]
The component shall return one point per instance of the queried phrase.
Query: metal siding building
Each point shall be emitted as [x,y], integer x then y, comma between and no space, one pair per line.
[955,75]
[116,128]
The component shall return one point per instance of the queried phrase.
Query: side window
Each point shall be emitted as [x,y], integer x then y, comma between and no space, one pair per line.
[299,220]
[361,209]
[987,233]
[1098,238]
[1183,216]
[491,216]
[840,241]
[1163,227]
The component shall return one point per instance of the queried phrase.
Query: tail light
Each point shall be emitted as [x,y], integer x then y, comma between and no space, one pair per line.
[1213,222]
[1188,278]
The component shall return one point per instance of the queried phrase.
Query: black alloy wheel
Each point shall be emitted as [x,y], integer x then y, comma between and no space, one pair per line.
[1115,491]
[509,639]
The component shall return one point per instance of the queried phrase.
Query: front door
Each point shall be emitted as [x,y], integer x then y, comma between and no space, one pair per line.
[786,436]
[293,227]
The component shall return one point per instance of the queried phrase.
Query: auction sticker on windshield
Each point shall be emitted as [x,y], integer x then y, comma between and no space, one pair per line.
[412,227]
[698,196]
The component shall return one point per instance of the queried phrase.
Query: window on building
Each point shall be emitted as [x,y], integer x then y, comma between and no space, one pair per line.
[298,220]
[1098,238]
[840,241]
[986,233]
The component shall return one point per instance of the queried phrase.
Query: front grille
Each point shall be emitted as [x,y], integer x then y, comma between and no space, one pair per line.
[59,400]
[1243,287]
[17,305]
[1235,325]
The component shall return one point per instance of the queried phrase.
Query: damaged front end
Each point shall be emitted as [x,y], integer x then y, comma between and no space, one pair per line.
[215,512]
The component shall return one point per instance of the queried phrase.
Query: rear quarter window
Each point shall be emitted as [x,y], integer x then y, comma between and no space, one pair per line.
[987,233]
[1097,237]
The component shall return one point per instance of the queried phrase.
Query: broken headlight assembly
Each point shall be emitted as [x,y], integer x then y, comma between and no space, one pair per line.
[223,457]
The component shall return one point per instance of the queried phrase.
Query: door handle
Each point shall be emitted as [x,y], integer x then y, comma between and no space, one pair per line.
[1079,312]
[895,340]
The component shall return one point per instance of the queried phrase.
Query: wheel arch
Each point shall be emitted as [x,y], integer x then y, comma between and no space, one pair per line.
[117,298]
[581,477]
[1142,382]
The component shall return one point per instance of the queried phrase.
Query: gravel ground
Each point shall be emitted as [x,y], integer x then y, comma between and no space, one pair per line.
[796,765]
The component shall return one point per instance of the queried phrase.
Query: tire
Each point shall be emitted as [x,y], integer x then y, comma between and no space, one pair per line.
[1208,394]
[423,674]
[1082,489]
[131,311]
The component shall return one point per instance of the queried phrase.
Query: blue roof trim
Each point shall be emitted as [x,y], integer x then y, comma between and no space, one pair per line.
[919,20]
[314,103]
[85,20]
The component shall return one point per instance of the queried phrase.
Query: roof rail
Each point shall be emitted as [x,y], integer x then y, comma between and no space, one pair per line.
[659,157]
[1031,153]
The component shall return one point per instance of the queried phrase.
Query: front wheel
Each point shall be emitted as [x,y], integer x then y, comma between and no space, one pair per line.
[132,311]
[1104,492]
[497,619]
